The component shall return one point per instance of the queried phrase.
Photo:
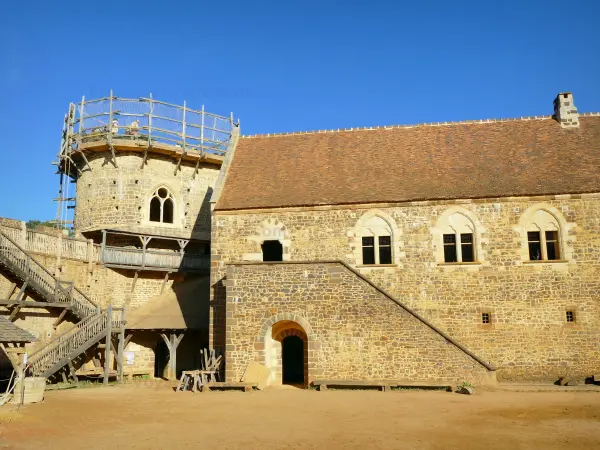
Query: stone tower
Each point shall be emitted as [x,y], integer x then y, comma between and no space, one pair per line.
[144,172]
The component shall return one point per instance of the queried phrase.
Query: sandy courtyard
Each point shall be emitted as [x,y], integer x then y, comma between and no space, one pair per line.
[145,417]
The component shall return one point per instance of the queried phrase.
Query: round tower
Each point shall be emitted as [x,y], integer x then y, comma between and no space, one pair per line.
[144,171]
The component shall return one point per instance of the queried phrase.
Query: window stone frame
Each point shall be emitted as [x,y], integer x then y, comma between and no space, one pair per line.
[564,227]
[441,227]
[268,230]
[356,234]
[145,210]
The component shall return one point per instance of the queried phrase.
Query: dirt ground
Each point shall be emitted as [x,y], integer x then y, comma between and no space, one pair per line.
[143,417]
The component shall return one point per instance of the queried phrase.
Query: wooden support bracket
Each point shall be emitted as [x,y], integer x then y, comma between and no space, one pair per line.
[135,277]
[164,283]
[14,313]
[59,319]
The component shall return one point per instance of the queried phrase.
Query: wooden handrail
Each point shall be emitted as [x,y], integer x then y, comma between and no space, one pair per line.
[32,268]
[62,347]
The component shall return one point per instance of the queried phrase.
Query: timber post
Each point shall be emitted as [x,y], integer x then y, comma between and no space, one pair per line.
[107,348]
[172,343]
[121,349]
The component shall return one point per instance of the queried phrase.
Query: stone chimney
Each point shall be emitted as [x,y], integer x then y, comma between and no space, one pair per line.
[565,111]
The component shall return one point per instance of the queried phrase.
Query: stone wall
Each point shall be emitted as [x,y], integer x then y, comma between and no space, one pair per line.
[528,337]
[118,198]
[351,330]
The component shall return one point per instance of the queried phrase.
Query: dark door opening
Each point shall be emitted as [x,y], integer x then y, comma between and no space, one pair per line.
[272,251]
[292,356]
[161,358]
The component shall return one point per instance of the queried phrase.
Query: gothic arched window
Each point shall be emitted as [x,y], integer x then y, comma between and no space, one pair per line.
[543,237]
[162,206]
[376,236]
[458,238]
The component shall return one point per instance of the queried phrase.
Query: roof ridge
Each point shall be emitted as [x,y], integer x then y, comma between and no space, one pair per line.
[426,124]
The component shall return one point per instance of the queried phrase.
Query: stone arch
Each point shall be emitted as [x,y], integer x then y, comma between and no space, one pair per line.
[545,217]
[457,219]
[272,333]
[369,224]
[268,229]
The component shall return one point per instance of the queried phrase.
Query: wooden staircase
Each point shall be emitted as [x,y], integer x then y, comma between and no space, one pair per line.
[32,277]
[65,348]
[38,282]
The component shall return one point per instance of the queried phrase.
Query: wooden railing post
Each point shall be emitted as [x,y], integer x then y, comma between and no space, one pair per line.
[121,346]
[107,348]
[58,254]
[103,245]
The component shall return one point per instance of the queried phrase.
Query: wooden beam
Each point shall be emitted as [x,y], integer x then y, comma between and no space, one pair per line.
[107,349]
[135,277]
[72,372]
[165,279]
[121,351]
[11,290]
[15,350]
[103,246]
[59,318]
[22,291]
[32,304]
[14,313]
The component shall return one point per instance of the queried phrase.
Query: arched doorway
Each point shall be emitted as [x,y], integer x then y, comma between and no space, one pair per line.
[292,360]
[286,353]
[272,251]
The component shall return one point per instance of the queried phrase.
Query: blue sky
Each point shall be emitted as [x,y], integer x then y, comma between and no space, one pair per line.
[283,66]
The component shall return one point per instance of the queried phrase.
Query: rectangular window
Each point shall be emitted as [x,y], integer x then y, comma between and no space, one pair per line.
[486,318]
[385,250]
[368,250]
[570,316]
[535,245]
[466,247]
[450,254]
[552,245]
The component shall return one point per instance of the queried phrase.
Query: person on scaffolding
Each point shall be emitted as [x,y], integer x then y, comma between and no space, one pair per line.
[134,128]
[115,126]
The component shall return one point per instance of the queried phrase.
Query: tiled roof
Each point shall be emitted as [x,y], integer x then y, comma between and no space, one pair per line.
[9,332]
[479,159]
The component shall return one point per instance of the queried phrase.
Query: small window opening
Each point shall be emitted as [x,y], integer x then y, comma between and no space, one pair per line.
[155,210]
[376,250]
[168,211]
[368,250]
[385,250]
[570,316]
[450,253]
[535,245]
[486,318]
[538,241]
[272,251]
[552,245]
[459,248]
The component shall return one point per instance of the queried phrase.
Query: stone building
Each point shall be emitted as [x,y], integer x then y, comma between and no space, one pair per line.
[449,251]
[441,252]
